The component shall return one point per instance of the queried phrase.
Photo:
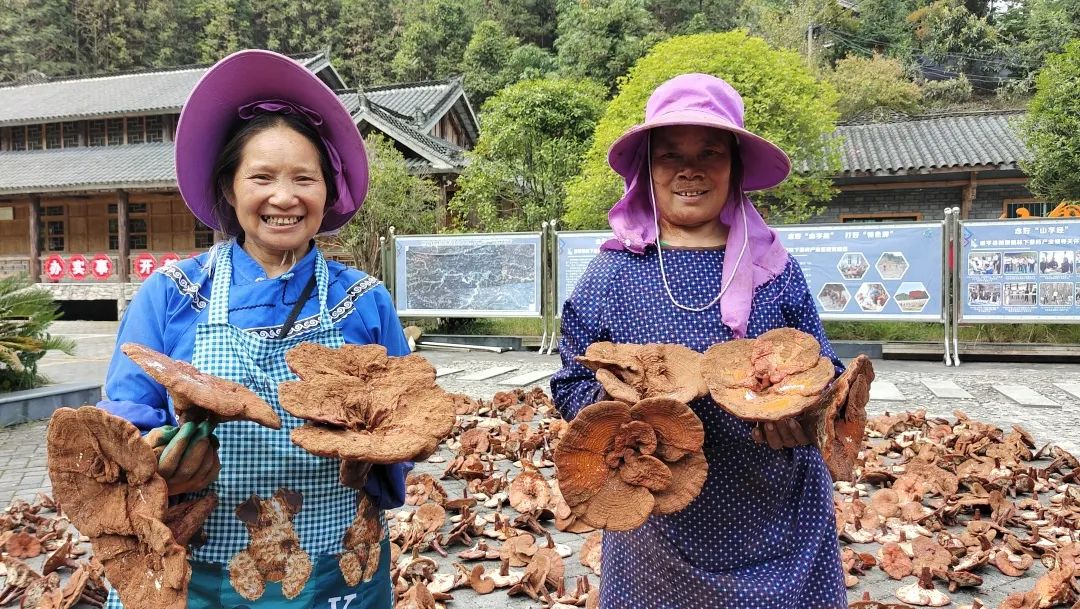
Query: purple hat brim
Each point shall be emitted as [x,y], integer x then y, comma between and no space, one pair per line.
[249,76]
[764,164]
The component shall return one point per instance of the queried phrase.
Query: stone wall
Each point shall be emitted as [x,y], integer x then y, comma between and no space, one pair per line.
[930,202]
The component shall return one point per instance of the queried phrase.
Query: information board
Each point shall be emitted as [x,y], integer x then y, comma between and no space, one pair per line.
[468,275]
[887,271]
[573,253]
[1020,270]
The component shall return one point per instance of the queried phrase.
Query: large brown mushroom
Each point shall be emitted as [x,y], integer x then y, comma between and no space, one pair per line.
[149,570]
[198,396]
[102,471]
[364,406]
[778,375]
[618,464]
[630,373]
[841,424]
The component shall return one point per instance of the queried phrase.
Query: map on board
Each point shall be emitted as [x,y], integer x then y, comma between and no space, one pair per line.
[466,275]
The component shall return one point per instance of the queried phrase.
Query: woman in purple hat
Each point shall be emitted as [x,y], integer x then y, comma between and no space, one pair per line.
[266,154]
[693,263]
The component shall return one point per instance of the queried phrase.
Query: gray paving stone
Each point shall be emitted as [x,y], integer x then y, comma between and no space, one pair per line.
[524,380]
[885,391]
[1025,396]
[488,373]
[947,389]
[1072,389]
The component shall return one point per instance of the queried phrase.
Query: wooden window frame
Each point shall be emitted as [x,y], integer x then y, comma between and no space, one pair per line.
[62,219]
[895,216]
[159,134]
[40,139]
[58,129]
[69,127]
[1022,201]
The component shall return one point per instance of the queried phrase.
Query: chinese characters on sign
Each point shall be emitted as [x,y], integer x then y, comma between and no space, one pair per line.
[144,265]
[78,267]
[871,272]
[101,267]
[574,253]
[1020,270]
[54,267]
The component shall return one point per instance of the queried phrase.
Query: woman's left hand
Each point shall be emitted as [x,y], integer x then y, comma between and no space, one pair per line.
[788,433]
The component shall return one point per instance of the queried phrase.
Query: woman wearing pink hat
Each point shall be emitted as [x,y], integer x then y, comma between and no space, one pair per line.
[692,262]
[266,154]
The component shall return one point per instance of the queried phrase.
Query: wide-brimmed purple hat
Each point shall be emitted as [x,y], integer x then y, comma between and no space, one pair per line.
[251,82]
[705,101]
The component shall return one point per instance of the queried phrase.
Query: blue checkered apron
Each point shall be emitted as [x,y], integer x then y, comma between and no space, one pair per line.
[258,460]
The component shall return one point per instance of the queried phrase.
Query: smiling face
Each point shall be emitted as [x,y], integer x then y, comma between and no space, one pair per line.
[691,175]
[279,193]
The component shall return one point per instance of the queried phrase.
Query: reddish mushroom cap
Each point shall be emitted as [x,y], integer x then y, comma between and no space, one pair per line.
[630,373]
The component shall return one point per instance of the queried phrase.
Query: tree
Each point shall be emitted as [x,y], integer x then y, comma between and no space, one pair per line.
[37,35]
[433,43]
[784,102]
[533,21]
[955,37]
[785,25]
[601,39]
[394,198]
[534,134]
[877,82]
[1035,28]
[366,40]
[486,59]
[295,26]
[695,16]
[26,311]
[1052,128]
[227,28]
[529,62]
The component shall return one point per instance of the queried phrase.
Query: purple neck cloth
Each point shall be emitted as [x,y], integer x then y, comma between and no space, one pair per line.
[249,111]
[632,221]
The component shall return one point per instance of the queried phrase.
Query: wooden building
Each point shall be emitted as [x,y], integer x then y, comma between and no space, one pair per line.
[88,197]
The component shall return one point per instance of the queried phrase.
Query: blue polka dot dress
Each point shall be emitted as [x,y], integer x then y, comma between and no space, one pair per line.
[761,535]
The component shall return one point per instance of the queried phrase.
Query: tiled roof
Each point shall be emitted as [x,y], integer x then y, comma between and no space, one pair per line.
[148,92]
[925,144]
[95,168]
[405,98]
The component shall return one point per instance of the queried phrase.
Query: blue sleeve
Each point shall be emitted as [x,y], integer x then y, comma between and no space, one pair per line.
[385,483]
[575,386]
[130,392]
[800,312]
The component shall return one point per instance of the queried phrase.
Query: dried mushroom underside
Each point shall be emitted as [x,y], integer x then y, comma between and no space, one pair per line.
[618,463]
[198,396]
[777,375]
[841,424]
[630,373]
[362,543]
[362,405]
[106,478]
[274,554]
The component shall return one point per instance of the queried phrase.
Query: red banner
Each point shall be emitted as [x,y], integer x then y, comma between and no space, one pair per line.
[54,267]
[168,258]
[101,267]
[144,265]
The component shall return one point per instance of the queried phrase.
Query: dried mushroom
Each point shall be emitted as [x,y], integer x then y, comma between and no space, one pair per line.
[274,553]
[618,464]
[198,396]
[778,375]
[102,471]
[362,405]
[186,519]
[149,570]
[841,424]
[362,543]
[630,373]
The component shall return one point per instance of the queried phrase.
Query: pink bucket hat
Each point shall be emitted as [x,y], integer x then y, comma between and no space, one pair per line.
[252,82]
[753,253]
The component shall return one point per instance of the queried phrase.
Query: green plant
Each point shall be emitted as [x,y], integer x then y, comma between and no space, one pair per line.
[952,91]
[874,82]
[784,102]
[1052,128]
[25,314]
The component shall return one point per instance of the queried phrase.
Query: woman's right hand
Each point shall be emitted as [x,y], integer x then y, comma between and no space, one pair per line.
[187,456]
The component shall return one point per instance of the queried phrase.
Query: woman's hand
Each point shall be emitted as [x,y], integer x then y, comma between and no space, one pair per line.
[187,456]
[788,433]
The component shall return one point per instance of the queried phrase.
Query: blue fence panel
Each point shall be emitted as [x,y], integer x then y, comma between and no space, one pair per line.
[883,271]
[1020,270]
[494,275]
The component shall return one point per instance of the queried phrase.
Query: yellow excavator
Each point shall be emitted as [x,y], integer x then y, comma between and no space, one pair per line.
[1067,209]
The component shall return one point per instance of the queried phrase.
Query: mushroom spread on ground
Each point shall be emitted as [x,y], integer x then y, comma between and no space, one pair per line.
[197,396]
[362,405]
[634,372]
[618,463]
[777,375]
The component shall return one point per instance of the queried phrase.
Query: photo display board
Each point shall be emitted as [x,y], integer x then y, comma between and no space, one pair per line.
[573,253]
[1020,270]
[468,275]
[889,271]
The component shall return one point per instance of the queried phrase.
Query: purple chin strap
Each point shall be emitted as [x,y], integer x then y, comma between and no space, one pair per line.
[250,111]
